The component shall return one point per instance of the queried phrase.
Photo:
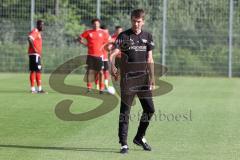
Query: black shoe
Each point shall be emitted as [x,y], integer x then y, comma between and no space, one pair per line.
[42,92]
[143,143]
[124,149]
[100,92]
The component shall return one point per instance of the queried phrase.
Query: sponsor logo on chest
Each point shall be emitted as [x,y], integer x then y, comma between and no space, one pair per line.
[144,40]
[139,48]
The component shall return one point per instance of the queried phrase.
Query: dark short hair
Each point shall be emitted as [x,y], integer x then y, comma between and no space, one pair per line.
[95,20]
[118,27]
[138,13]
[39,22]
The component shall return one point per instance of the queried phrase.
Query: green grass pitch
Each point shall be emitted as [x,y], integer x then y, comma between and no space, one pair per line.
[30,130]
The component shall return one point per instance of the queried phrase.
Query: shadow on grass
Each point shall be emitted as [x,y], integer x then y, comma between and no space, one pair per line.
[94,149]
[14,91]
[21,91]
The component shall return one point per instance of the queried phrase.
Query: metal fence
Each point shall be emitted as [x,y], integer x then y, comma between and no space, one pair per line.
[192,37]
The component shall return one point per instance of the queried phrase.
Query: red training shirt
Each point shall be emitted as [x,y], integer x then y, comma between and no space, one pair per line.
[36,36]
[114,37]
[95,41]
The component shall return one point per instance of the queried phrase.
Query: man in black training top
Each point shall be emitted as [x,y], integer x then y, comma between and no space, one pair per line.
[137,77]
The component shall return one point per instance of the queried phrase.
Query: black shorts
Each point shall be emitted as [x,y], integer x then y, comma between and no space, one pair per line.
[35,63]
[95,63]
[105,65]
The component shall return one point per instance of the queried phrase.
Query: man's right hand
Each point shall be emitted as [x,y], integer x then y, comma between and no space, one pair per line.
[151,84]
[114,71]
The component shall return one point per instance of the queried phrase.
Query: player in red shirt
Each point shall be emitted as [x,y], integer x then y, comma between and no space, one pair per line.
[105,59]
[118,30]
[35,53]
[95,40]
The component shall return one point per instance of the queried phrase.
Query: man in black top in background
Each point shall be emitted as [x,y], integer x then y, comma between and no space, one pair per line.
[137,77]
